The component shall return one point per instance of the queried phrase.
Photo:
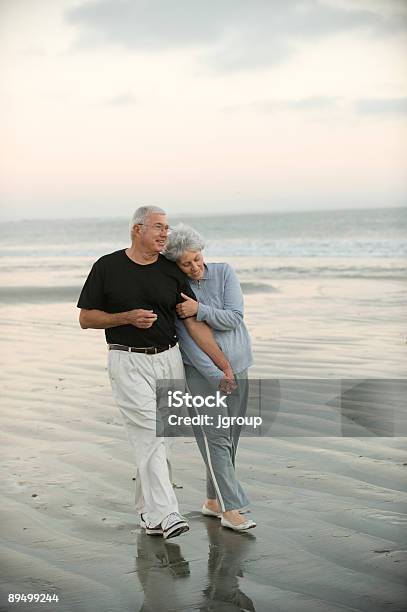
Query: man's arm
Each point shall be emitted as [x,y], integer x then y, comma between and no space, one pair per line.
[98,319]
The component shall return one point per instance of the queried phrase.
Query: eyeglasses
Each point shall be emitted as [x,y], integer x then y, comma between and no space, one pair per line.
[158,227]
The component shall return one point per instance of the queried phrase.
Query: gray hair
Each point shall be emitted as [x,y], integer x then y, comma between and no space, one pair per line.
[183,238]
[143,212]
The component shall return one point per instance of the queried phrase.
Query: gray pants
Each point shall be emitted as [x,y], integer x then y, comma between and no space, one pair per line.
[218,446]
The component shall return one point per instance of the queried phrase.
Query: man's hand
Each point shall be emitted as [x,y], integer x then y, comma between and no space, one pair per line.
[141,318]
[188,308]
[99,319]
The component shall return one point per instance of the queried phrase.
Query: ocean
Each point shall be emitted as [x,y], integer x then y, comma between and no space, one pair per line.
[49,259]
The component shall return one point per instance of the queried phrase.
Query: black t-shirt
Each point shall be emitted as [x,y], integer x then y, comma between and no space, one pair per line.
[118,284]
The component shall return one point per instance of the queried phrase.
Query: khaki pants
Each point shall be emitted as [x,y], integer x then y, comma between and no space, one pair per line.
[133,378]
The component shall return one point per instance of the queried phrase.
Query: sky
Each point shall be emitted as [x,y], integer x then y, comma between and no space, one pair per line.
[201,107]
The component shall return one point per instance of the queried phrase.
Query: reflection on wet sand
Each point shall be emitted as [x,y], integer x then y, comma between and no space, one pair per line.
[208,582]
[227,554]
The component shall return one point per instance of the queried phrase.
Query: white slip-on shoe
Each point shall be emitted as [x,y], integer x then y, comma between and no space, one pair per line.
[173,525]
[249,524]
[208,512]
[150,530]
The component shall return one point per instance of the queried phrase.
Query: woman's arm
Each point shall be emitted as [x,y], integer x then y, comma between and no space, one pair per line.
[195,355]
[231,315]
[222,378]
[202,334]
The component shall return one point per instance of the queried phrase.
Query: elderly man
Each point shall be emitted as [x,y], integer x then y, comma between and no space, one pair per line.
[132,294]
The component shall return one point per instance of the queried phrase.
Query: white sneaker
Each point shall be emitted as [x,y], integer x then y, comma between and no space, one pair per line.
[150,530]
[173,525]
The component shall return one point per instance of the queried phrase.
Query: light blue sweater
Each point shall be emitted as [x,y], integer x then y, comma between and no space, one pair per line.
[221,306]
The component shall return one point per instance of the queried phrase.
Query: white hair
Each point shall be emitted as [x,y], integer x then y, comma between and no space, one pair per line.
[142,213]
[183,238]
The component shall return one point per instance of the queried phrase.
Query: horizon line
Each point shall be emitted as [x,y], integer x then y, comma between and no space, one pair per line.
[208,215]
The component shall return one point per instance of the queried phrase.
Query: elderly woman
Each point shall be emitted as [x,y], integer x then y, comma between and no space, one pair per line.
[220,305]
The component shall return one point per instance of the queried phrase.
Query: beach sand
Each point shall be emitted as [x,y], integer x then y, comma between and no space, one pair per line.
[331,511]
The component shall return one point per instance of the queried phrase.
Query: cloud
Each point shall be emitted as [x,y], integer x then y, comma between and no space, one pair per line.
[33,51]
[312,103]
[365,106]
[232,34]
[381,106]
[302,104]
[125,99]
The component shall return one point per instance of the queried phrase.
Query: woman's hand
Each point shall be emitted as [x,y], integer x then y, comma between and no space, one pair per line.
[228,384]
[189,308]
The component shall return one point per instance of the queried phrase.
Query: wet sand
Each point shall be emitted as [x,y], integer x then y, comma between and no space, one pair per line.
[331,511]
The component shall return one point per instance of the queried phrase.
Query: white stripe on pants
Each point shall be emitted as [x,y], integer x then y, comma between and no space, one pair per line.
[133,378]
